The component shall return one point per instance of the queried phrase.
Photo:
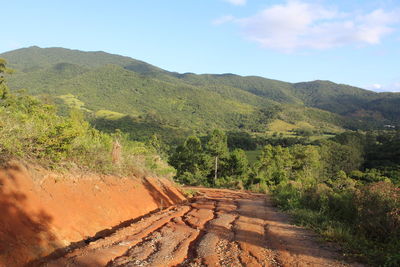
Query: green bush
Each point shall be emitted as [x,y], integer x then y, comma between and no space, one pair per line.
[365,219]
[188,178]
[260,187]
[288,195]
[378,209]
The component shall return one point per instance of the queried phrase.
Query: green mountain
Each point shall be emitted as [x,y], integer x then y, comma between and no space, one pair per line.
[121,92]
[349,101]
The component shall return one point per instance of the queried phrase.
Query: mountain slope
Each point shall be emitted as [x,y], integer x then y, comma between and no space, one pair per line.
[350,101]
[32,58]
[114,88]
[105,82]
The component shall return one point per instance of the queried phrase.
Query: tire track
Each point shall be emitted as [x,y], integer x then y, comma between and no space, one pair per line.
[171,244]
[101,251]
[202,204]
[218,228]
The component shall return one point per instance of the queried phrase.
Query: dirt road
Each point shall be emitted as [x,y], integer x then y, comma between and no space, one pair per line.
[218,228]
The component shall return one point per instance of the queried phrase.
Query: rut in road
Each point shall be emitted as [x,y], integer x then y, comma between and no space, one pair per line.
[218,228]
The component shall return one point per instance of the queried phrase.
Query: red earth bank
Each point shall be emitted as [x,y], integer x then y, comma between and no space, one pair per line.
[42,211]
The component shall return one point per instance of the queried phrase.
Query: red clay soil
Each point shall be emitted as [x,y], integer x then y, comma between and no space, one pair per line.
[217,228]
[43,212]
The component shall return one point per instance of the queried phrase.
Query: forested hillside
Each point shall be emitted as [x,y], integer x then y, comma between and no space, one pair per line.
[349,101]
[121,92]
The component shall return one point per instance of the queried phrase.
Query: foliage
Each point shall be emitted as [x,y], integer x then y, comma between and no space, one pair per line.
[383,153]
[194,161]
[328,191]
[242,140]
[190,192]
[31,130]
[364,219]
[277,164]
[338,157]
[217,145]
[237,165]
[112,86]
[274,165]
[189,158]
[4,90]
[382,222]
[325,186]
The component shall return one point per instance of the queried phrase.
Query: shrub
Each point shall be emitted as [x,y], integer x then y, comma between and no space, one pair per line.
[378,207]
[260,187]
[288,195]
[316,197]
[188,178]
[365,219]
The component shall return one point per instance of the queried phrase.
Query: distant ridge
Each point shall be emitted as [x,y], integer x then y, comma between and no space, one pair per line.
[103,81]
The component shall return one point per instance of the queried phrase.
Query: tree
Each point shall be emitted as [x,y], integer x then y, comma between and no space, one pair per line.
[338,157]
[4,91]
[274,165]
[190,161]
[241,140]
[306,162]
[238,164]
[217,147]
[158,145]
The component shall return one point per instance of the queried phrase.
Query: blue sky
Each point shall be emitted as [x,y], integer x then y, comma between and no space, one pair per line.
[346,41]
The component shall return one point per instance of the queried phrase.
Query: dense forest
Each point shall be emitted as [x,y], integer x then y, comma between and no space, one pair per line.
[329,154]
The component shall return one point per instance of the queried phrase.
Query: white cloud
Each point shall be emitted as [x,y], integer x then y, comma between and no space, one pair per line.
[376,86]
[296,24]
[237,2]
[394,87]
[223,19]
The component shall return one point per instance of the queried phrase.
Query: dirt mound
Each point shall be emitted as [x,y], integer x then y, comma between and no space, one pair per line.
[43,211]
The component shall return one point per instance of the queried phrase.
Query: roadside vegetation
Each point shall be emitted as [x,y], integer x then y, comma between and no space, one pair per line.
[32,131]
[345,187]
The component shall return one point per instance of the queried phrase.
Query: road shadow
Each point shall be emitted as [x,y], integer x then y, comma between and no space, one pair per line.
[170,193]
[162,201]
[60,252]
[160,197]
[25,233]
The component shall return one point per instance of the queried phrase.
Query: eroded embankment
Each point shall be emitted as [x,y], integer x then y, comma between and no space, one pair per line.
[43,212]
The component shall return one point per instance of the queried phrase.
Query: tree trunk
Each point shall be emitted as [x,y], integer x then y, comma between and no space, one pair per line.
[116,153]
[216,169]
